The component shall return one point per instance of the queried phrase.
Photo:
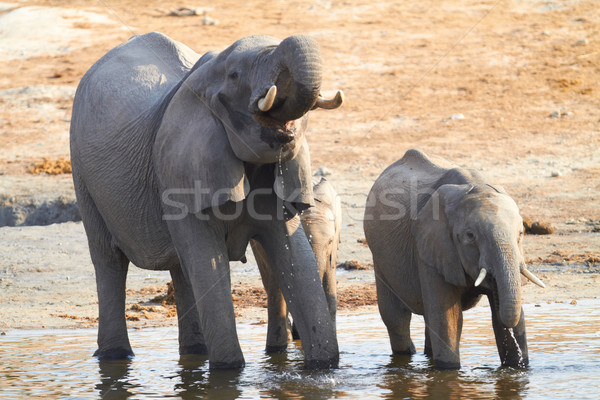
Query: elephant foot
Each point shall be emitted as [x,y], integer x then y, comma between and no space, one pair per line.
[276,349]
[199,348]
[114,354]
[407,351]
[402,345]
[322,364]
[516,362]
[238,364]
[446,364]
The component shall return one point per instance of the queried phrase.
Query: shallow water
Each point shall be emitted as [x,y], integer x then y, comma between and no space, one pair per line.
[564,350]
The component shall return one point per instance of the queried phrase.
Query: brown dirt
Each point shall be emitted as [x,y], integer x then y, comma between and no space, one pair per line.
[509,88]
[51,167]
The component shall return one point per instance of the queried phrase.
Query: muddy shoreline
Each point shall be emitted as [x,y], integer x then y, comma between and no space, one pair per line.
[509,89]
[47,281]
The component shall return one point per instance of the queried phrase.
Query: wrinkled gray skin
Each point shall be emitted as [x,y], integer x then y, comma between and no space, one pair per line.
[431,227]
[322,225]
[174,167]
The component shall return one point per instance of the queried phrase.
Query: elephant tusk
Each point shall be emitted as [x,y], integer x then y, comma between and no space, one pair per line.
[481,277]
[330,104]
[265,103]
[529,275]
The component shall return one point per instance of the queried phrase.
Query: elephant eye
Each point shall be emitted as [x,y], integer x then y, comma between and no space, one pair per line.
[470,236]
[234,75]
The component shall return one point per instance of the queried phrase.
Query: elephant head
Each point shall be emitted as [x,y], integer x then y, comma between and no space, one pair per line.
[472,236]
[257,88]
[247,104]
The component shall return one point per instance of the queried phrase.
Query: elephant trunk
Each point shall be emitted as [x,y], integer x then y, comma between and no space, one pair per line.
[299,71]
[507,274]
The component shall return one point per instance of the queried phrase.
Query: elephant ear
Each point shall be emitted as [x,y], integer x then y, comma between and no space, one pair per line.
[194,161]
[433,233]
[293,180]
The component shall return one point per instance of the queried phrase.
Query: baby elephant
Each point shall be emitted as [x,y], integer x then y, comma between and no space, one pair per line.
[441,237]
[322,225]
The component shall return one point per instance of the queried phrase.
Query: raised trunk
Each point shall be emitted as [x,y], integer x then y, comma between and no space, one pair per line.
[299,70]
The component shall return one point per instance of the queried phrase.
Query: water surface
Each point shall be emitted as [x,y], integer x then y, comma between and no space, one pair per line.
[564,350]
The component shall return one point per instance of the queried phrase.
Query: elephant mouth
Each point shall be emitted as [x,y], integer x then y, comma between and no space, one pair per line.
[283,132]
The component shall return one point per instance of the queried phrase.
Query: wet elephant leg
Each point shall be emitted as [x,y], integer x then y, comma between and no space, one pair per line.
[111,274]
[396,317]
[511,343]
[277,328]
[202,252]
[191,340]
[110,265]
[428,351]
[330,288]
[443,320]
[293,261]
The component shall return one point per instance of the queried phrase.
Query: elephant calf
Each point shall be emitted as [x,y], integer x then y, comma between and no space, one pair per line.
[441,237]
[322,226]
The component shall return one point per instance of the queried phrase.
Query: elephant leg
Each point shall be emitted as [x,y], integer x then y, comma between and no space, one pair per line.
[110,265]
[511,343]
[203,255]
[111,274]
[191,340]
[330,288]
[443,320]
[428,352]
[293,261]
[396,317]
[277,328]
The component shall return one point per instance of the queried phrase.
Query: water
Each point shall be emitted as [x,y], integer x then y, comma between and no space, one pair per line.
[564,349]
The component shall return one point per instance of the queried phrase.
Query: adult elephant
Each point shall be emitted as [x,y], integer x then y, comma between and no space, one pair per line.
[441,237]
[179,160]
[322,226]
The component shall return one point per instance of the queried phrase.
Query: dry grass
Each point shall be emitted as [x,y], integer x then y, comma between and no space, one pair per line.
[51,167]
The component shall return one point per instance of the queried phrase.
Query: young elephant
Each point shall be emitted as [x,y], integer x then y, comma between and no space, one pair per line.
[322,226]
[441,237]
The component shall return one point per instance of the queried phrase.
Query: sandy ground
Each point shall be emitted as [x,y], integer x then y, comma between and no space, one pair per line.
[506,87]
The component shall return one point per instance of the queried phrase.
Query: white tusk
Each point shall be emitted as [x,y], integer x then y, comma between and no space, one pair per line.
[330,104]
[529,275]
[481,277]
[266,102]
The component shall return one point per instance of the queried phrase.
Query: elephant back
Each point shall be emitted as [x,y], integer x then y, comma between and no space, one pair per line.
[131,78]
[392,205]
[115,113]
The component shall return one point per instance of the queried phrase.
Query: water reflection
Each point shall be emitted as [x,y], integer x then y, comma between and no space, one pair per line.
[405,379]
[564,343]
[114,382]
[198,382]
